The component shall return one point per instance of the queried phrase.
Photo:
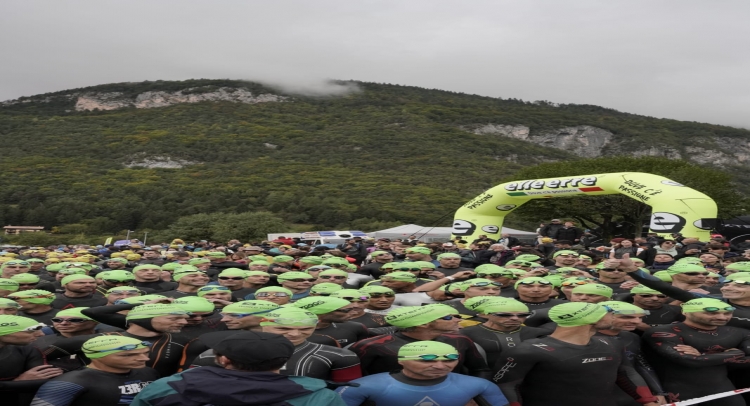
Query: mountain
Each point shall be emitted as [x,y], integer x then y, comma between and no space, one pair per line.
[140,155]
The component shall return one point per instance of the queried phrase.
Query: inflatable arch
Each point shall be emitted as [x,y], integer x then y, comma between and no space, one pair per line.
[676,208]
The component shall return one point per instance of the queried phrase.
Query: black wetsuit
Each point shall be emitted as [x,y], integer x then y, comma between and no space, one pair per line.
[14,361]
[371,320]
[62,302]
[158,287]
[91,387]
[43,317]
[494,342]
[379,354]
[342,333]
[309,359]
[208,325]
[547,371]
[543,305]
[176,294]
[688,376]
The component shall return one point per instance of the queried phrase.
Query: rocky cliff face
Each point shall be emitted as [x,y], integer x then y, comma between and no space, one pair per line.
[590,142]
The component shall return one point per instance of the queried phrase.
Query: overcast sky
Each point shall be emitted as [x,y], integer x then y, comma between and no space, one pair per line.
[682,59]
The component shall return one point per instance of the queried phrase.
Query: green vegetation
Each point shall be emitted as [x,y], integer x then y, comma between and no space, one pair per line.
[386,155]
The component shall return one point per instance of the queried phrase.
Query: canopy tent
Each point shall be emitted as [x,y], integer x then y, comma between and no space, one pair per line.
[429,234]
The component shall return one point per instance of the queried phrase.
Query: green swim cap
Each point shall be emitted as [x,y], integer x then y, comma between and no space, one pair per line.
[689,260]
[376,289]
[664,276]
[377,253]
[419,250]
[55,267]
[185,270]
[564,252]
[412,316]
[118,275]
[250,306]
[73,312]
[70,278]
[212,288]
[292,275]
[256,273]
[424,264]
[274,289]
[700,304]
[400,277]
[351,293]
[477,283]
[418,349]
[566,269]
[555,279]
[623,308]
[335,261]
[594,289]
[533,280]
[233,272]
[10,324]
[333,272]
[120,260]
[282,258]
[36,296]
[644,290]
[73,271]
[491,269]
[738,275]
[743,266]
[685,267]
[25,278]
[258,258]
[528,257]
[502,306]
[142,299]
[194,304]
[199,261]
[312,260]
[152,266]
[101,346]
[149,311]
[447,255]
[478,301]
[388,265]
[325,288]
[576,314]
[320,304]
[6,303]
[289,316]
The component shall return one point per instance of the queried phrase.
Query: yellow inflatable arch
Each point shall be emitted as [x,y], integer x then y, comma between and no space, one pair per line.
[676,208]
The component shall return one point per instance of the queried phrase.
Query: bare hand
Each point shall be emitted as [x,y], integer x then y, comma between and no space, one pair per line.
[629,285]
[687,350]
[462,274]
[661,399]
[626,264]
[701,291]
[40,372]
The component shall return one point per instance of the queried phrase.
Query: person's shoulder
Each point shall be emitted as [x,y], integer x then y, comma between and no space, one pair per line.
[533,331]
[381,339]
[662,328]
[335,351]
[461,379]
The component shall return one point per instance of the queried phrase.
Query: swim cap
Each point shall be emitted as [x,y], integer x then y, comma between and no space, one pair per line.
[185,270]
[320,304]
[564,252]
[738,275]
[566,269]
[477,301]
[388,265]
[414,351]
[424,264]
[594,289]
[644,290]
[502,306]
[5,303]
[141,299]
[36,296]
[256,273]
[325,288]
[292,275]
[335,261]
[10,324]
[663,276]
[555,279]
[689,260]
[233,272]
[400,277]
[447,255]
[274,289]
[282,258]
[199,261]
[311,259]
[332,272]
[289,316]
[120,260]
[623,308]
[475,283]
[55,267]
[25,278]
[376,289]
[194,304]
[533,280]
[576,314]
[149,311]
[411,316]
[250,306]
[118,275]
[101,346]
[528,257]
[8,284]
[212,288]
[685,267]
[73,312]
[152,266]
[73,271]
[700,304]
[743,266]
[419,250]
[216,254]
[71,278]
[491,269]
[351,294]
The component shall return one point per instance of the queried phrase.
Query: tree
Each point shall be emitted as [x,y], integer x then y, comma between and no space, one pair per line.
[226,226]
[618,214]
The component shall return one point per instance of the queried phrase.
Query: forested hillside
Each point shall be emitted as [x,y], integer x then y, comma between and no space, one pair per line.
[382,154]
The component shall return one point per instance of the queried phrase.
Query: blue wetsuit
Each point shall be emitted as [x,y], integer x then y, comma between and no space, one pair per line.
[386,389]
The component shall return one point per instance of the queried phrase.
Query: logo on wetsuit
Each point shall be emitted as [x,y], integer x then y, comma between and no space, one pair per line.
[589,360]
[132,388]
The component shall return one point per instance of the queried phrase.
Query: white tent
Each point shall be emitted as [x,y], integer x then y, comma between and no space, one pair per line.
[429,234]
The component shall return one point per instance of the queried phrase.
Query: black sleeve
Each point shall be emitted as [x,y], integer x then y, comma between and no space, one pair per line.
[108,314]
[663,287]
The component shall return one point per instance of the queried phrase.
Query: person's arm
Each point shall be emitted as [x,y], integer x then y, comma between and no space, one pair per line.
[345,368]
[510,372]
[57,393]
[633,384]
[367,351]
[190,352]
[434,285]
[108,314]
[491,396]
[475,363]
[665,288]
[664,343]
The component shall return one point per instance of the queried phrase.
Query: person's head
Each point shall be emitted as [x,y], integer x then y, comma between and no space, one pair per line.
[118,277]
[35,299]
[250,351]
[735,267]
[709,259]
[121,292]
[610,275]
[283,260]
[686,272]
[296,281]
[196,307]
[147,273]
[259,266]
[160,318]
[449,260]
[591,293]
[72,322]
[257,277]
[534,289]
[436,318]
[8,286]
[275,294]
[18,330]
[116,353]
[116,263]
[295,324]
[382,257]
[647,298]
[381,297]
[663,258]
[425,360]
[14,267]
[216,257]
[246,314]
[232,278]
[26,281]
[565,258]
[200,263]
[480,287]
[189,277]
[398,280]
[508,314]
[625,316]
[328,309]
[324,289]
[336,276]
[578,314]
[78,284]
[418,254]
[707,313]
[9,307]
[737,289]
[215,292]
